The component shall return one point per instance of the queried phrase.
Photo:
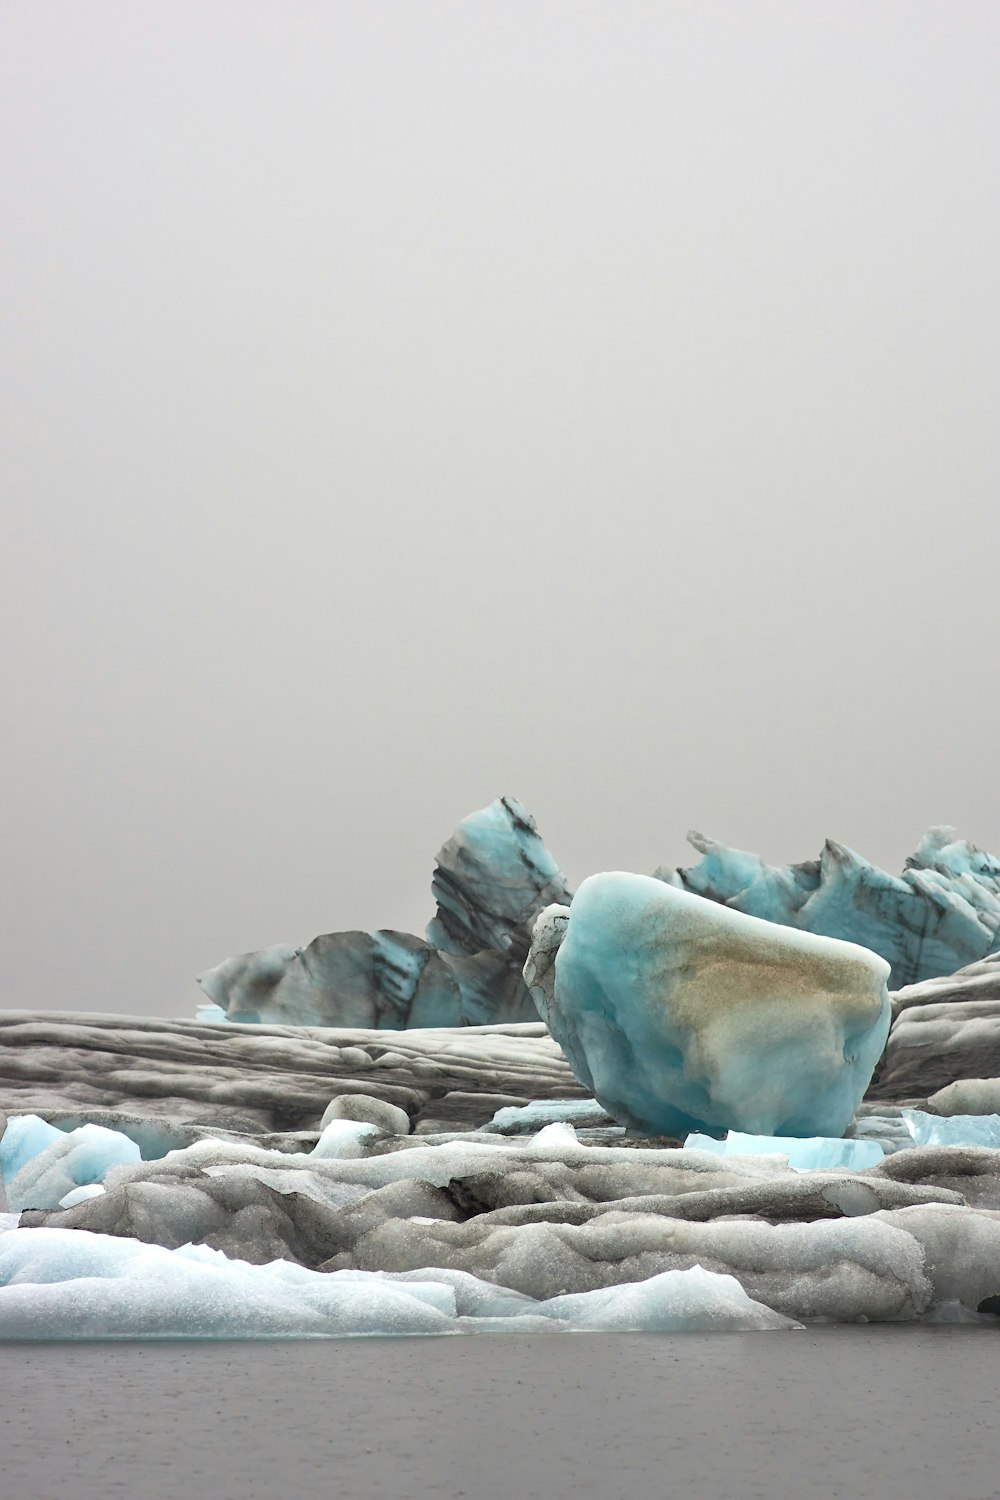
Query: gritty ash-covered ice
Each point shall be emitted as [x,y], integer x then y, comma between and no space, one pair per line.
[377,1134]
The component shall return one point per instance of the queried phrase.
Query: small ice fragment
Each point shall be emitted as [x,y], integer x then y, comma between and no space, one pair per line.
[805,1154]
[344,1140]
[952,1130]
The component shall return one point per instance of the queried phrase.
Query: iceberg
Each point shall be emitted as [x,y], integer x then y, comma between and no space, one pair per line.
[941,913]
[678,1014]
[491,879]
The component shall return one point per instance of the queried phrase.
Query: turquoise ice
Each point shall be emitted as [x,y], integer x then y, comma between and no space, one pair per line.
[815,1154]
[941,913]
[67,1160]
[678,1014]
[952,1130]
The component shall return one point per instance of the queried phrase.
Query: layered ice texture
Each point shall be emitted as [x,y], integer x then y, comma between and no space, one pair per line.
[488,1235]
[942,913]
[679,1014]
[59,1283]
[491,878]
[945,1042]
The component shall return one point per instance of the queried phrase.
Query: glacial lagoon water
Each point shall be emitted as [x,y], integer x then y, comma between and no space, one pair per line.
[833,1413]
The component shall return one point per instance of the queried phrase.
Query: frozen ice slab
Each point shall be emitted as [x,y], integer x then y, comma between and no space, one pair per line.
[968,1096]
[952,1130]
[812,1154]
[696,1300]
[527,1118]
[74,1159]
[679,1014]
[961,1249]
[64,1283]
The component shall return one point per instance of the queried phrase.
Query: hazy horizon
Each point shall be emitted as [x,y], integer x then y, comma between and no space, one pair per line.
[410,404]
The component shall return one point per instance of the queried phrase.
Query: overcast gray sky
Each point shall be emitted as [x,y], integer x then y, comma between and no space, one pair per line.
[406,403]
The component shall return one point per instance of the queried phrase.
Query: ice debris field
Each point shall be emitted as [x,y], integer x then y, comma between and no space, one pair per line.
[733,1097]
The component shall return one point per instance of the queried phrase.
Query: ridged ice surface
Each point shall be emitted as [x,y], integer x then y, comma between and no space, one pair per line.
[945,1031]
[357,1229]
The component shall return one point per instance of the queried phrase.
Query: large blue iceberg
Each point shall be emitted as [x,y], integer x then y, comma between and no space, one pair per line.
[943,911]
[680,1015]
[491,879]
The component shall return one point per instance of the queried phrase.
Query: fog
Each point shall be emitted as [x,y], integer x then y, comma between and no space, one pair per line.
[410,403]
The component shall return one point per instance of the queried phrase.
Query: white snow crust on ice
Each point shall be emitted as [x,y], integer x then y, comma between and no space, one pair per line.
[64,1283]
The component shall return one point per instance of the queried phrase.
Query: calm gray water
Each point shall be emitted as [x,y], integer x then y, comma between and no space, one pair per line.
[833,1414]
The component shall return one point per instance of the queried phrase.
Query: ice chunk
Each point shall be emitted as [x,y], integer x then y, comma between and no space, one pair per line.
[527,1118]
[679,1014]
[961,1250]
[695,1300]
[811,1154]
[473,1297]
[968,1096]
[945,1041]
[74,1159]
[26,1136]
[952,1130]
[492,877]
[558,1137]
[344,1140]
[363,1107]
[209,1011]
